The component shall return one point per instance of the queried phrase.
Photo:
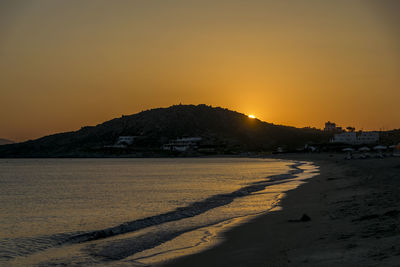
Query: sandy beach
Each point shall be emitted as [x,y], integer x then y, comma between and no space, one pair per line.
[354,211]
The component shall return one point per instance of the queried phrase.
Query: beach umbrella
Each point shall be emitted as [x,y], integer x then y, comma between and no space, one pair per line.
[380,147]
[364,148]
[312,148]
[348,150]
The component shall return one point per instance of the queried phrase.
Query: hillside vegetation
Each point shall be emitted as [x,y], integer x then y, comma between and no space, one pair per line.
[233,132]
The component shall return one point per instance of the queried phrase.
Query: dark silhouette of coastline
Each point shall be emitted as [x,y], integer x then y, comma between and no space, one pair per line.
[222,130]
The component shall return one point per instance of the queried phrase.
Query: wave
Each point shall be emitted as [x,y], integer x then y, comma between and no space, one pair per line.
[191,210]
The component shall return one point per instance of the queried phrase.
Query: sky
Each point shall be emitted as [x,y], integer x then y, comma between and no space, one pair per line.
[68,64]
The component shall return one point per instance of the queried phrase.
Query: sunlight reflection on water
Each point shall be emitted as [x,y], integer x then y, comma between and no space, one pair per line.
[46,197]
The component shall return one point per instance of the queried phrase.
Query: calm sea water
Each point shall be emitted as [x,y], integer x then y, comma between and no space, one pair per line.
[131,212]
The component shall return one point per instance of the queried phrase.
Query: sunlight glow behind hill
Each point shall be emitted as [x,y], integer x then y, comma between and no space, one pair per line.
[71,63]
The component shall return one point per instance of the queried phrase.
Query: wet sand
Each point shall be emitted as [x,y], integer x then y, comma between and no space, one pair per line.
[354,206]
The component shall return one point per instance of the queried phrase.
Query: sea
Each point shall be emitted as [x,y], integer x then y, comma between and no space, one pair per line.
[132,212]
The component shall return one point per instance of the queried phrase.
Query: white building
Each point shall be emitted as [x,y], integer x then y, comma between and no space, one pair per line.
[346,138]
[122,142]
[368,138]
[125,140]
[353,138]
[182,144]
[189,139]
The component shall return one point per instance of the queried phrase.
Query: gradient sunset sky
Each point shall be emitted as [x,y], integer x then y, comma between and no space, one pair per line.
[67,64]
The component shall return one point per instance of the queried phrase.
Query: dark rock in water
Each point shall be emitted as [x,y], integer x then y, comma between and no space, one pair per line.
[305,218]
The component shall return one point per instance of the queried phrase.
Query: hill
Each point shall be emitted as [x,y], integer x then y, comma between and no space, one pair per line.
[229,131]
[5,141]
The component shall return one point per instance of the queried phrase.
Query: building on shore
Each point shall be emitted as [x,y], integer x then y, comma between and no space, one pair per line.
[331,127]
[123,142]
[183,144]
[356,138]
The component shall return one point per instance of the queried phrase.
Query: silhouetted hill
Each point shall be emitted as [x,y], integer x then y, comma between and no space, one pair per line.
[5,141]
[230,130]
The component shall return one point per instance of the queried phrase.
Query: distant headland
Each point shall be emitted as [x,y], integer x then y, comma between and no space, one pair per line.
[5,141]
[179,130]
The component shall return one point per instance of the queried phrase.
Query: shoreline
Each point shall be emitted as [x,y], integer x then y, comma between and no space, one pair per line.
[294,176]
[284,176]
[353,222]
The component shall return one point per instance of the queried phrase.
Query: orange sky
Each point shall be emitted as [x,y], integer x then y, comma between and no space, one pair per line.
[66,64]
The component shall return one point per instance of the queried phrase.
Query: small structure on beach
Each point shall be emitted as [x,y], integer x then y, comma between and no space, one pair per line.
[349,152]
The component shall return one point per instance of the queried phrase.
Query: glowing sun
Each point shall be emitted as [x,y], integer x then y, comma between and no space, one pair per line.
[251,116]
